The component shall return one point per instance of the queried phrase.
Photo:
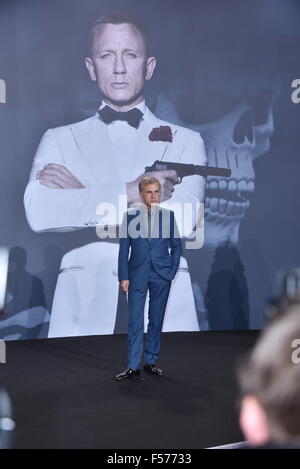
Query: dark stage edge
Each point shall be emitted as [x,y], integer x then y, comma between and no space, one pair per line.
[64,394]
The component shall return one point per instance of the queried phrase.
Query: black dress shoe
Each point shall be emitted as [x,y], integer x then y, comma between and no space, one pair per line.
[127,374]
[153,370]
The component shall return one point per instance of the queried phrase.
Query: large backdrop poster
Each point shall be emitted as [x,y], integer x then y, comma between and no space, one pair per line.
[229,72]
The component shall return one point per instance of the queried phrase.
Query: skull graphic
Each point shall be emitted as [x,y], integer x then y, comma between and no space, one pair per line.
[236,125]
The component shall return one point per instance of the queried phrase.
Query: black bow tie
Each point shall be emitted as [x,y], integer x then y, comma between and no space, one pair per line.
[133,117]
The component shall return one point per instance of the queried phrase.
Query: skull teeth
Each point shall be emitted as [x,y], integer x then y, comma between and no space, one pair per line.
[226,207]
[230,190]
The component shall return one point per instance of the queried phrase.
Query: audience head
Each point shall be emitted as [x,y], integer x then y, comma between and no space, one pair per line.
[270,383]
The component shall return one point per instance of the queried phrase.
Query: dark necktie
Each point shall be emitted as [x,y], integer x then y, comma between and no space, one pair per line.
[133,117]
[149,225]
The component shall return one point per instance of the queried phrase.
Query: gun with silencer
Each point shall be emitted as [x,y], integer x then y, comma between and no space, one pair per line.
[184,169]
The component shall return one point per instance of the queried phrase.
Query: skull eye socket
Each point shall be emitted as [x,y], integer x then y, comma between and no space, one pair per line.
[261,103]
[243,128]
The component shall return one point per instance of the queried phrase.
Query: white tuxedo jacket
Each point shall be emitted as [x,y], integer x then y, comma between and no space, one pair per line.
[87,289]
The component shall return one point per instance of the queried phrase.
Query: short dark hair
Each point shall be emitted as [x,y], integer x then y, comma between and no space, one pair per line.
[272,376]
[117,17]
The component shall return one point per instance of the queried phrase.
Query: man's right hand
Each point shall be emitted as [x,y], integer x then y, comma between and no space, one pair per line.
[167,178]
[124,284]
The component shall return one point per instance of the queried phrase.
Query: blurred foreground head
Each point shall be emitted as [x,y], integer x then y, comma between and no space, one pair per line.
[270,383]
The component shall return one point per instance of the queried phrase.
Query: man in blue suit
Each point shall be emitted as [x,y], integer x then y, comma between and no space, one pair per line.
[148,232]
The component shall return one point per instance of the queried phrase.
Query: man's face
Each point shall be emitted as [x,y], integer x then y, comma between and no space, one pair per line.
[150,194]
[119,65]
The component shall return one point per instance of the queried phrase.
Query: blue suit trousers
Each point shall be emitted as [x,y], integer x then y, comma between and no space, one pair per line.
[159,289]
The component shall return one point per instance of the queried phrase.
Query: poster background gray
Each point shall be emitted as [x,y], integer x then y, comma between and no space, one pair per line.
[43,45]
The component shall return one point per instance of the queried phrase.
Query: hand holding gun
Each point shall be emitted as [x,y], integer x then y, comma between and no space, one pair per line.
[183,169]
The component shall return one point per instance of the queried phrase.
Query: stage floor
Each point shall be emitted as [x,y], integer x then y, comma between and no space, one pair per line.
[64,394]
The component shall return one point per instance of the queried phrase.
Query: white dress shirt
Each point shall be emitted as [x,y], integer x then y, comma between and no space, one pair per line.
[124,139]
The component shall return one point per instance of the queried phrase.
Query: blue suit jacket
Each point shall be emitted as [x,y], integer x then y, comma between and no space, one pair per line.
[144,251]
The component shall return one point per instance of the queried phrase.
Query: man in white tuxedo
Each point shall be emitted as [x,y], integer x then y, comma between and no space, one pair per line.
[79,166]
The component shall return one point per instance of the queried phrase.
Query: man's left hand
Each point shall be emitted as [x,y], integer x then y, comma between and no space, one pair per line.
[57,176]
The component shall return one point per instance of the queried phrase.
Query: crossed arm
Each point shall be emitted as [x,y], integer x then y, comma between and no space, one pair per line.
[58,200]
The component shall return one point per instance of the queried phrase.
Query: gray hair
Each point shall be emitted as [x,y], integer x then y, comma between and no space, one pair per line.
[145,181]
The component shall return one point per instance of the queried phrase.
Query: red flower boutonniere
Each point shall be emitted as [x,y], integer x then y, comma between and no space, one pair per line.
[162,133]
